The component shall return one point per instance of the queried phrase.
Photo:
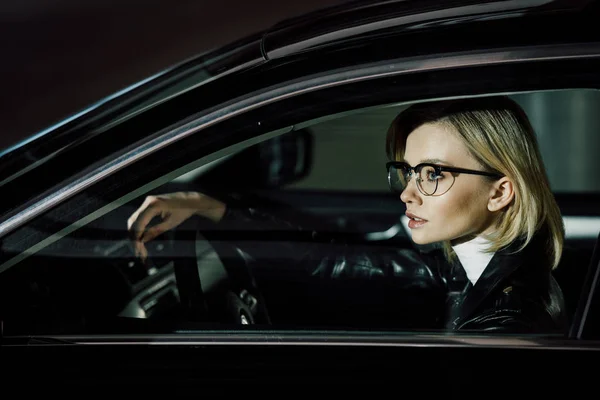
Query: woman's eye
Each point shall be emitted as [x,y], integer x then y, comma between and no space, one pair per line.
[432,175]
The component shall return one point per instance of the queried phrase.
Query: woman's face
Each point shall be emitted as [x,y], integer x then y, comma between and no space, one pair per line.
[459,214]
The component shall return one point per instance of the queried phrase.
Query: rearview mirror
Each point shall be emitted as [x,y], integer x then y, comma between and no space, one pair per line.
[274,163]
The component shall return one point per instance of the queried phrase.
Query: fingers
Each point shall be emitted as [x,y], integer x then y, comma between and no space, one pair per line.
[156,230]
[137,212]
[140,251]
[141,218]
[137,222]
[173,208]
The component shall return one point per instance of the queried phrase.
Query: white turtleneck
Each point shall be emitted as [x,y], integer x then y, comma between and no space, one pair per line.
[473,257]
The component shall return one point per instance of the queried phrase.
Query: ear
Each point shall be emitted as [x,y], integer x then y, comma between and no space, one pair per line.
[501,194]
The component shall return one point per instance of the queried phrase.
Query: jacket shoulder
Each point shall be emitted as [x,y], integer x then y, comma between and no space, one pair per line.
[519,306]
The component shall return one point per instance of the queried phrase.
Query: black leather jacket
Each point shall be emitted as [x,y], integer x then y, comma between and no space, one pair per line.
[515,293]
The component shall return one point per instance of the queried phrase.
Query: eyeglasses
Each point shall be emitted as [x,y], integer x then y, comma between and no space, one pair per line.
[431,178]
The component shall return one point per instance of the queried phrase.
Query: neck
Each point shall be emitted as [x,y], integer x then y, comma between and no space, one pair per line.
[473,256]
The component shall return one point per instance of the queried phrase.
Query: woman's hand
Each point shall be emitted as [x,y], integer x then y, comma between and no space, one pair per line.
[173,208]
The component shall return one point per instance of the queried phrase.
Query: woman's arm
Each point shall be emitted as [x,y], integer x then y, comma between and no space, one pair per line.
[276,242]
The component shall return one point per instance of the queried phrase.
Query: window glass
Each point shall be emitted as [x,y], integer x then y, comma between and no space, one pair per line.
[312,238]
[566,123]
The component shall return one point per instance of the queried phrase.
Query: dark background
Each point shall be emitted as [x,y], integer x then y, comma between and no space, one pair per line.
[59,56]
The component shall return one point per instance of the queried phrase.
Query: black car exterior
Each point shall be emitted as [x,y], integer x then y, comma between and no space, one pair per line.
[349,57]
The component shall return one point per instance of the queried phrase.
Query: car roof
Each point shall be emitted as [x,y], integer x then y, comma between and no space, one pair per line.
[314,25]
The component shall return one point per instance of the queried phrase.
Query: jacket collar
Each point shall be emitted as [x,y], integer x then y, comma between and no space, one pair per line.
[503,264]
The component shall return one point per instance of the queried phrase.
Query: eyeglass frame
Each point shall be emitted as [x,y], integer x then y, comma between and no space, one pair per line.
[438,169]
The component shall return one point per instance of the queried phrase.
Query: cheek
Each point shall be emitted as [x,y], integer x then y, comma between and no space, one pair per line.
[458,205]
[462,211]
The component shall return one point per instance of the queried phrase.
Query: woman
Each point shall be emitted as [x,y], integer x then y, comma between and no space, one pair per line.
[472,178]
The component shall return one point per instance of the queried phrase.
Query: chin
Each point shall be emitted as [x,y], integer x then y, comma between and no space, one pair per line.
[421,240]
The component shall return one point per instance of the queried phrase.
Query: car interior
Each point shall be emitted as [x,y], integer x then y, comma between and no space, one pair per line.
[326,175]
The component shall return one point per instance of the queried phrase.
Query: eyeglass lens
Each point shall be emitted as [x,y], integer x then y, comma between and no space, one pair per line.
[429,179]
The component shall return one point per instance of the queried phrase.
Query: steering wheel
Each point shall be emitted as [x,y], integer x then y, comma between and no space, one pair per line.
[233,297]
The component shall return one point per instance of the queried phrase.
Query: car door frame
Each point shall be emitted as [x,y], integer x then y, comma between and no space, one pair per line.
[215,132]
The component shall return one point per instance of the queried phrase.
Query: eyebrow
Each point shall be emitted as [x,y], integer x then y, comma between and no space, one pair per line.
[434,161]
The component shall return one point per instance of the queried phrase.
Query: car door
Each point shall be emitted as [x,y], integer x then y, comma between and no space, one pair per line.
[69,275]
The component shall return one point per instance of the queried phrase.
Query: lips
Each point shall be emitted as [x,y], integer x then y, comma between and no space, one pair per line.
[415,221]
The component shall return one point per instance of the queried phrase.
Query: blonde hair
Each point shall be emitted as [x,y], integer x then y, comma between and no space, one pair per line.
[500,137]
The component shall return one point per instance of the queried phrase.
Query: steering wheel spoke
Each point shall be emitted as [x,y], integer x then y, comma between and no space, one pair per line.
[236,300]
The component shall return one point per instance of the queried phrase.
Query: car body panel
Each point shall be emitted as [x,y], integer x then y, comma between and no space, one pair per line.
[212,107]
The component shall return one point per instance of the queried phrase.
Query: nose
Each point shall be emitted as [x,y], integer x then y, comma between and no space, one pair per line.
[411,194]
